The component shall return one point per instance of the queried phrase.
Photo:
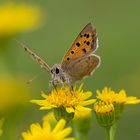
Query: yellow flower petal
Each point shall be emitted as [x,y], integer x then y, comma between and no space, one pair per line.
[65,132]
[60,125]
[69,109]
[87,95]
[45,108]
[35,128]
[88,102]
[81,108]
[46,127]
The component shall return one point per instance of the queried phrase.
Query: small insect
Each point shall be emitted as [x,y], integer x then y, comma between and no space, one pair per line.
[77,63]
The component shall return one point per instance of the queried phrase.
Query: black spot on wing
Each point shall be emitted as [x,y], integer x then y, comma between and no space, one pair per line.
[68,58]
[88,43]
[87,36]
[84,50]
[72,52]
[78,44]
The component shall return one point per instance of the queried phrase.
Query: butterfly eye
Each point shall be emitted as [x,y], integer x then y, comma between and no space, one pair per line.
[57,70]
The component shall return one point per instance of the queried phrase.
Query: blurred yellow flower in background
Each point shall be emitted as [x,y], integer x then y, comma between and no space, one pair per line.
[108,95]
[83,114]
[13,91]
[82,124]
[16,18]
[46,132]
[71,100]
[49,117]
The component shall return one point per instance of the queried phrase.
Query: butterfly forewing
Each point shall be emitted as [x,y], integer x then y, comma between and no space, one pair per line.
[84,44]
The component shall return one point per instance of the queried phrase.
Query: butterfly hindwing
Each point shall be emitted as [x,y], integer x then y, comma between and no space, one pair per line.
[83,67]
[84,44]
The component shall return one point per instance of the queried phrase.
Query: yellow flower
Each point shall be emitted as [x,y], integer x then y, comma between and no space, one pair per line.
[83,114]
[15,18]
[70,100]
[105,113]
[108,95]
[82,122]
[46,132]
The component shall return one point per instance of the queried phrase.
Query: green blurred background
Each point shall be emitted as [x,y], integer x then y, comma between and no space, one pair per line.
[118,27]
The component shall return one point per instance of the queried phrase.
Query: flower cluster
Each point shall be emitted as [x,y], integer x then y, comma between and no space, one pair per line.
[67,104]
[110,105]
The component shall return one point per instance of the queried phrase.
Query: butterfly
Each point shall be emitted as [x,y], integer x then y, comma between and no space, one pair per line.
[77,63]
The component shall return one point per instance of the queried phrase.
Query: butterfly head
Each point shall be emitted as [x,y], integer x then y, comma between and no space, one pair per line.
[57,72]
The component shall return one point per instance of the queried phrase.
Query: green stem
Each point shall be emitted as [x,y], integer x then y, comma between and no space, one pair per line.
[113,132]
[81,136]
[108,133]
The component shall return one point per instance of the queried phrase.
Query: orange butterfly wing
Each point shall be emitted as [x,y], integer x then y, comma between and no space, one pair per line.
[84,44]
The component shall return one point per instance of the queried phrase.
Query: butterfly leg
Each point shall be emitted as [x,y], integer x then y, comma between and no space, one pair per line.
[70,83]
[72,86]
[52,85]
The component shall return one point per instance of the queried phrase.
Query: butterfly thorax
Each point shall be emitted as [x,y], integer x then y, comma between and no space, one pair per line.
[59,75]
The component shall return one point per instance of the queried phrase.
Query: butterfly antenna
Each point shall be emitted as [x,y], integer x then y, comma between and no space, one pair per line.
[36,76]
[42,63]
